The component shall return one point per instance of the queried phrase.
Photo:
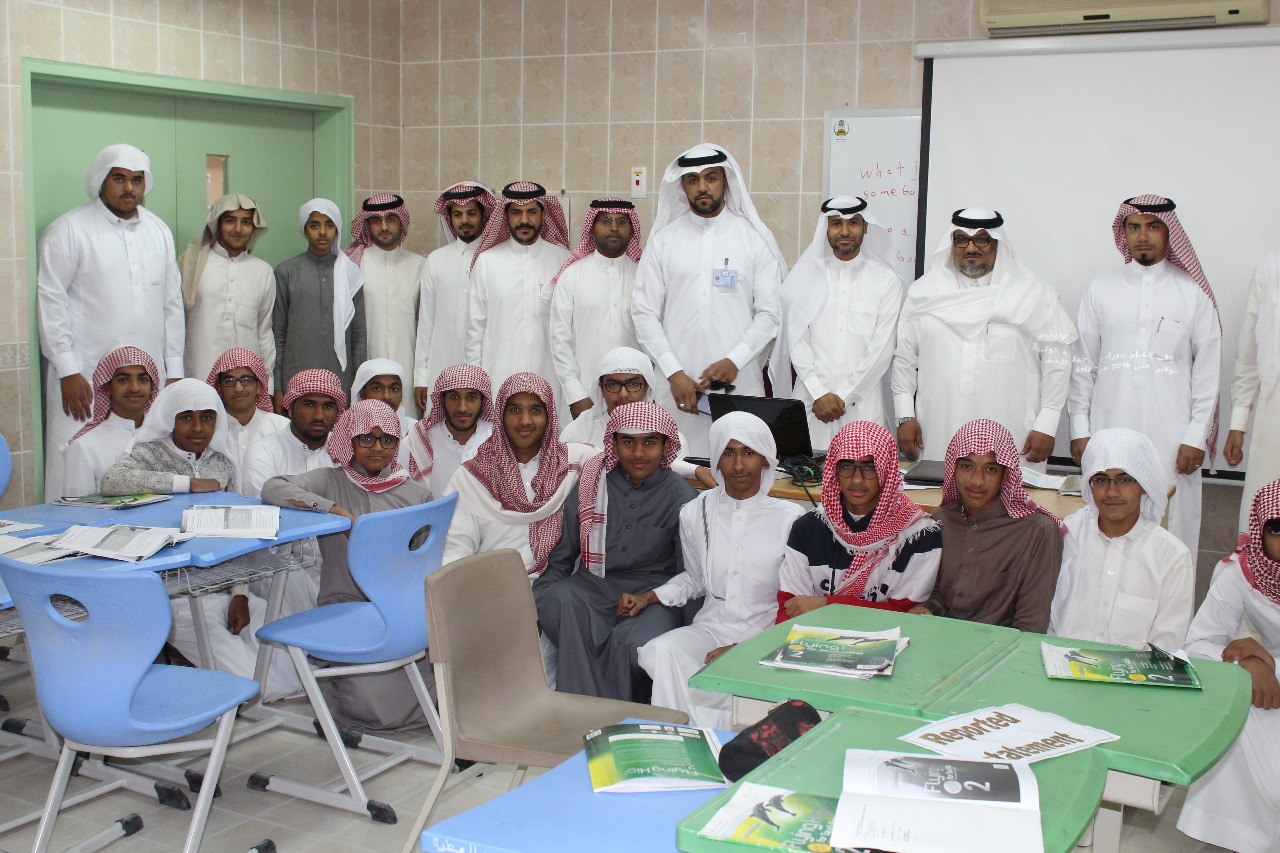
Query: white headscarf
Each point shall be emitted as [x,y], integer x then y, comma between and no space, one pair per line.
[1133,453]
[1015,297]
[752,432]
[347,277]
[185,395]
[379,367]
[117,156]
[804,289]
[672,201]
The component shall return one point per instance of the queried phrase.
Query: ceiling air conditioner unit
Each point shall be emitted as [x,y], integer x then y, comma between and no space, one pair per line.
[1008,18]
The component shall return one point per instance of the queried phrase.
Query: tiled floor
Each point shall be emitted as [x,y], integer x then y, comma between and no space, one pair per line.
[242,817]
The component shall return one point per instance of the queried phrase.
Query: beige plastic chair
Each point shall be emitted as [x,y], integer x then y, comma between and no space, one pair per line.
[491,687]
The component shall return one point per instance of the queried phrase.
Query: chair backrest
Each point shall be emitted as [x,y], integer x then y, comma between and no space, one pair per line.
[87,672]
[390,572]
[6,465]
[483,624]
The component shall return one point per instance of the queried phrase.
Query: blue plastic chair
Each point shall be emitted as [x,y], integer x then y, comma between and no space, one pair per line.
[6,465]
[385,633]
[97,685]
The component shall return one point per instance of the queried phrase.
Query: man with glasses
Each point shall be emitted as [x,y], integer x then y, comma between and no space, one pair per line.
[591,297]
[980,336]
[240,378]
[867,544]
[1124,579]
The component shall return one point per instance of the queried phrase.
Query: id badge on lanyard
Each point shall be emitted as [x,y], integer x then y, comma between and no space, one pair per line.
[724,279]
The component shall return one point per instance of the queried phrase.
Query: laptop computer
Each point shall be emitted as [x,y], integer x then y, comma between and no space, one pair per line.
[785,418]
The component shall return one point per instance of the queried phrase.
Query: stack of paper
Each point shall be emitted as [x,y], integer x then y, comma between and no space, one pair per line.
[235,522]
[631,757]
[1153,667]
[99,501]
[853,654]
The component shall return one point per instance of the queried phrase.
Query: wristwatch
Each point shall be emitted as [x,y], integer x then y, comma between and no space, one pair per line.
[902,421]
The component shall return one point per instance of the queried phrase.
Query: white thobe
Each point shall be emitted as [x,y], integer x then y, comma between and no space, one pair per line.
[1236,804]
[278,454]
[90,455]
[391,303]
[735,565]
[946,380]
[103,282]
[233,303]
[1128,590]
[240,437]
[1148,358]
[687,321]
[447,455]
[442,311]
[847,348]
[508,316]
[1256,385]
[590,315]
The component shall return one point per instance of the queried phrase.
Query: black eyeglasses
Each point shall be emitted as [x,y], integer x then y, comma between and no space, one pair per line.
[369,439]
[1099,481]
[232,381]
[613,386]
[846,468]
[962,241]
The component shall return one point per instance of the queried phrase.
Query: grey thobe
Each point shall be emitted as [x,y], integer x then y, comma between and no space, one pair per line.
[303,321]
[384,702]
[577,609]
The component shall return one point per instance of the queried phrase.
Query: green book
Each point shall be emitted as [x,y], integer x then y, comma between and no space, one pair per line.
[775,819]
[100,501]
[1153,667]
[632,757]
[830,650]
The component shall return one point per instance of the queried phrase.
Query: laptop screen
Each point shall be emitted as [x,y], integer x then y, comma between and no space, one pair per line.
[786,419]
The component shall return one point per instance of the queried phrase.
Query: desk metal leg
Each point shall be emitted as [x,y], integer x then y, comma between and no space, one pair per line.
[275,600]
[202,631]
[1106,828]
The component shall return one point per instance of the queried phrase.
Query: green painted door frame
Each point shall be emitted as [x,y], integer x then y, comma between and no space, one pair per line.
[333,163]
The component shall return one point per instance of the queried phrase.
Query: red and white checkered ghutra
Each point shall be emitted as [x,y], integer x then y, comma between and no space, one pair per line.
[554,229]
[360,419]
[587,241]
[1260,570]
[238,357]
[107,367]
[315,381]
[593,493]
[456,378]
[987,436]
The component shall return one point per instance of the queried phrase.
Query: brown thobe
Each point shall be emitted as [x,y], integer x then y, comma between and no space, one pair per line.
[997,569]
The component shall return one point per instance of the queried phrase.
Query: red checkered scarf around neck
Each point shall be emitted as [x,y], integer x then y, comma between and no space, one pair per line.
[987,436]
[316,381]
[381,204]
[238,357]
[1262,572]
[456,378]
[463,192]
[554,229]
[593,492]
[893,513]
[1181,254]
[107,367]
[360,419]
[587,240]
[496,469]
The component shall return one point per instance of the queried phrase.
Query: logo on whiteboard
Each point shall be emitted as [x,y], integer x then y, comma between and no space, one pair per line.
[841,128]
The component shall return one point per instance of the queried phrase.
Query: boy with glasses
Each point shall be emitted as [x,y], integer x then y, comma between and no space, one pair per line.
[1124,578]
[240,378]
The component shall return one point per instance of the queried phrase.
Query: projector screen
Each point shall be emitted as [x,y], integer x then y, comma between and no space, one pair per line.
[1055,133]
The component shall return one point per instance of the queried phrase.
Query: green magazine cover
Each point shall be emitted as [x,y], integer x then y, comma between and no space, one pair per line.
[631,757]
[775,819]
[848,653]
[101,501]
[1153,667]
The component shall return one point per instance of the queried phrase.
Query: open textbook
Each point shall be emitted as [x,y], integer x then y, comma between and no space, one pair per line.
[100,501]
[118,541]
[35,549]
[1153,667]
[239,522]
[775,819]
[922,804]
[630,757]
[854,654]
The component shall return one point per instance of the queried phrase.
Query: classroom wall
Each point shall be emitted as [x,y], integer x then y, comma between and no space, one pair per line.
[571,93]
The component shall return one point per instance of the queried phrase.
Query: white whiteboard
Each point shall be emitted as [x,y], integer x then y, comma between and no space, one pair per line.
[875,154]
[1056,141]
